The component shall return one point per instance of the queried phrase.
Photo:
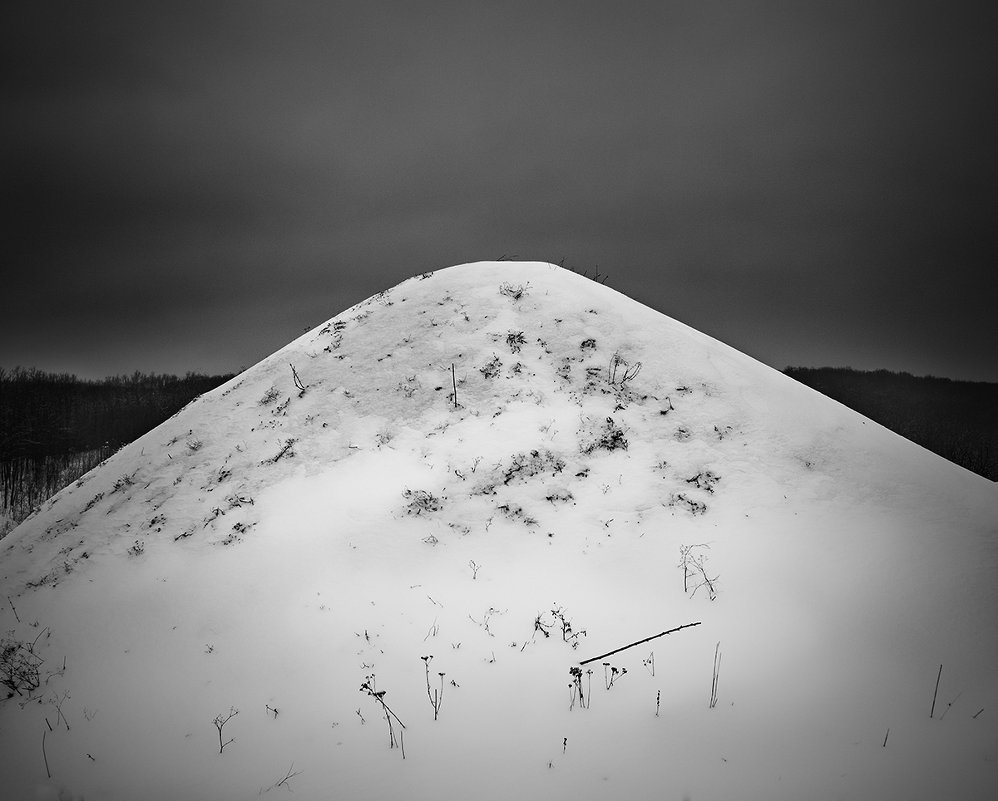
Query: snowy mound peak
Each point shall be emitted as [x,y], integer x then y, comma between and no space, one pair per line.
[417,526]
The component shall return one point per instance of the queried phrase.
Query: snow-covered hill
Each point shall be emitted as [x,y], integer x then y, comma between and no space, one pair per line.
[215,612]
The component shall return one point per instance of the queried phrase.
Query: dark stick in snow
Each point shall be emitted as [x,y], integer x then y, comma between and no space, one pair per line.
[646,639]
[45,756]
[933,710]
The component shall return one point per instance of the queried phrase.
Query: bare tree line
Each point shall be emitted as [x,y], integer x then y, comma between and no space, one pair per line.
[955,419]
[54,426]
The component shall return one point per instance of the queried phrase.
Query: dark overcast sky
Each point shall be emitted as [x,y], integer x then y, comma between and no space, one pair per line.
[189,185]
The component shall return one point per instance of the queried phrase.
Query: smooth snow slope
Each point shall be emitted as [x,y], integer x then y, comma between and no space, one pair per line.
[269,550]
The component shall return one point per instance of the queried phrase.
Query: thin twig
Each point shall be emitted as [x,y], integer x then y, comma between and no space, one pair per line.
[646,639]
[938,676]
[45,756]
[950,705]
[289,775]
[717,669]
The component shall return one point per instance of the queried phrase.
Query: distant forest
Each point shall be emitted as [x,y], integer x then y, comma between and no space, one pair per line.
[55,427]
[955,419]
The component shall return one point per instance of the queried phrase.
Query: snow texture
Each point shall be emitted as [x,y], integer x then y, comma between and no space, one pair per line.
[299,541]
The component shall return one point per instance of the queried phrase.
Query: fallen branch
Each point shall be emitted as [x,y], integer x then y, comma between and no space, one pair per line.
[639,642]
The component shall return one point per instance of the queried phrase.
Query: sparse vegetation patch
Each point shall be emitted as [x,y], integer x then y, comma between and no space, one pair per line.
[491,368]
[421,502]
[515,340]
[19,666]
[123,482]
[287,449]
[526,466]
[609,437]
[514,291]
[705,480]
[691,505]
[269,396]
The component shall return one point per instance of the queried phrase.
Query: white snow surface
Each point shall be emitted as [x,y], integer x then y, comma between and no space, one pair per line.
[192,574]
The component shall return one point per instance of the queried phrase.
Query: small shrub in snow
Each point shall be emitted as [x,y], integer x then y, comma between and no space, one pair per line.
[491,368]
[137,548]
[619,371]
[19,665]
[563,497]
[514,292]
[421,502]
[693,506]
[705,480]
[610,437]
[220,720]
[525,466]
[588,344]
[122,483]
[515,512]
[693,562]
[515,340]
[269,396]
